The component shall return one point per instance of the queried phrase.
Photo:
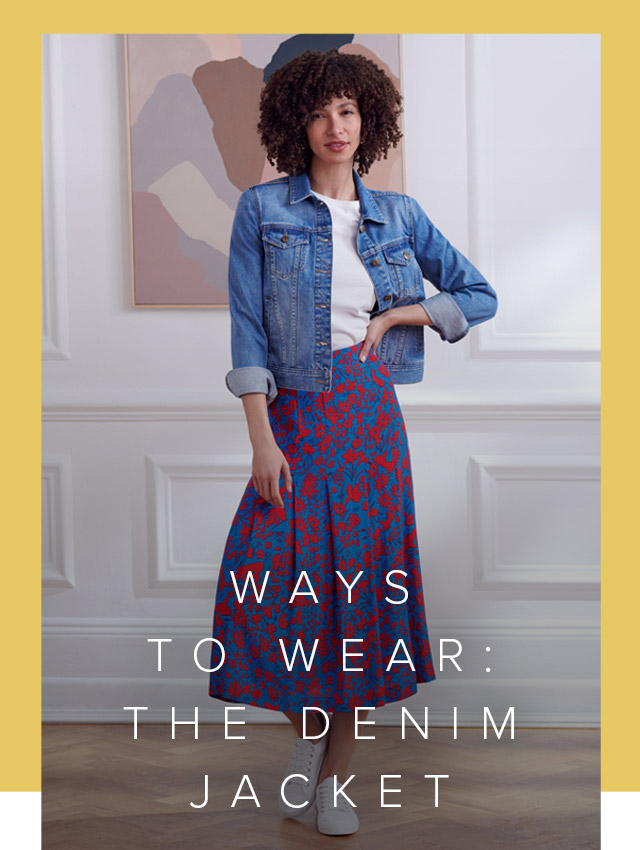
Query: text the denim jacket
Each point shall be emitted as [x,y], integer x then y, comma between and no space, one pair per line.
[280,285]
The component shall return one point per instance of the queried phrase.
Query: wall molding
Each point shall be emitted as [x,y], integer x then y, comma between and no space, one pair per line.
[92,695]
[144,406]
[75,699]
[487,342]
[57,569]
[55,309]
[199,628]
[162,470]
[488,575]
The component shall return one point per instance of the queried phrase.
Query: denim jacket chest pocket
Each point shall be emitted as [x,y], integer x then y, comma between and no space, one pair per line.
[404,271]
[285,251]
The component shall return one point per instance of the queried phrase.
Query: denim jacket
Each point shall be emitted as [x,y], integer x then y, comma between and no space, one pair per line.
[280,285]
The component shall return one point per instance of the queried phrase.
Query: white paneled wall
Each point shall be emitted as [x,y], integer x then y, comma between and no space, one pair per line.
[145,453]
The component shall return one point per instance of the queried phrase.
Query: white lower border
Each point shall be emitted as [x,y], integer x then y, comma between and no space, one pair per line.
[20,820]
[619,824]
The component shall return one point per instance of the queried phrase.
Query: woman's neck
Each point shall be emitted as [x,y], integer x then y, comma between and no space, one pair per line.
[334,181]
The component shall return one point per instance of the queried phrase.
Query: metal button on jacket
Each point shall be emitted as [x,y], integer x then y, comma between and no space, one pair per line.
[375,262]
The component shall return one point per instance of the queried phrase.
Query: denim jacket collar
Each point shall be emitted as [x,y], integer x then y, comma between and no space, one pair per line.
[299,189]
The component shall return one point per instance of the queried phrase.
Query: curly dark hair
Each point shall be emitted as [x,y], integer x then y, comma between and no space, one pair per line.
[310,81]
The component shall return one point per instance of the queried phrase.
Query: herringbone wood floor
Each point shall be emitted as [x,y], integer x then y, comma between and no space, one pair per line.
[102,790]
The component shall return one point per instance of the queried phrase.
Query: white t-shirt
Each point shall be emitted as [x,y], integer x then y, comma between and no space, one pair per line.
[352,293]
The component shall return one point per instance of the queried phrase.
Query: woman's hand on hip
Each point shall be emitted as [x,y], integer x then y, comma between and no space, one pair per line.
[268,463]
[376,329]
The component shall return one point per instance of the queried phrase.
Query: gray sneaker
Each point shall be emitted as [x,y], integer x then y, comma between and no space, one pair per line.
[339,819]
[307,760]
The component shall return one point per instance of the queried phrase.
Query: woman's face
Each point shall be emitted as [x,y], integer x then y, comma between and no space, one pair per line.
[333,131]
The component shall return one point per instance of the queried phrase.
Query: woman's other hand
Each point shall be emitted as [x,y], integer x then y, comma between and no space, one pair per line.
[268,463]
[268,460]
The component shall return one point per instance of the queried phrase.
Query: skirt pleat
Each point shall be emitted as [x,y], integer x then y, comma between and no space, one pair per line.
[351,511]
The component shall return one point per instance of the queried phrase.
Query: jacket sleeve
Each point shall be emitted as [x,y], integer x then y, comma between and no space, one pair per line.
[465,297]
[248,336]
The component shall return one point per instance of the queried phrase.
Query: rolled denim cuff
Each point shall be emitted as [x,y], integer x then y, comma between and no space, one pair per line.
[448,319]
[252,379]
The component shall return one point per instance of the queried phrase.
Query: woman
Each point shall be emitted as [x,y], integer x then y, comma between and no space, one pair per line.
[319,601]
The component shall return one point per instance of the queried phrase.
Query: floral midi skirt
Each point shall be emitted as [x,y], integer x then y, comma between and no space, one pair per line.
[332,610]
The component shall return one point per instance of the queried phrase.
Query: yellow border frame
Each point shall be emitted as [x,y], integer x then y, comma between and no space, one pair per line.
[20,57]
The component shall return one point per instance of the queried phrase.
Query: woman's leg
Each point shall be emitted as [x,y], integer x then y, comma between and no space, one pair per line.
[342,743]
[313,723]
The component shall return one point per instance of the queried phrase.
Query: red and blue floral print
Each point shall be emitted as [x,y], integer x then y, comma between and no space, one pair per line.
[351,509]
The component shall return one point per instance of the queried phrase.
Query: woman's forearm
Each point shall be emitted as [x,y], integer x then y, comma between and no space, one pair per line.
[412,314]
[255,411]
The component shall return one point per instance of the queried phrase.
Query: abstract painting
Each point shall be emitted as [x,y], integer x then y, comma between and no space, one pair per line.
[192,104]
